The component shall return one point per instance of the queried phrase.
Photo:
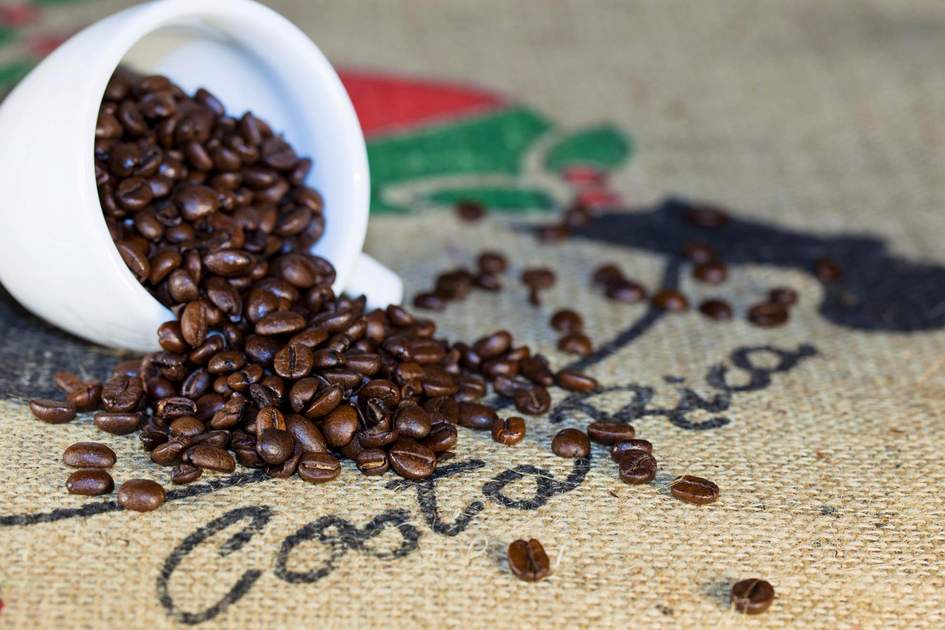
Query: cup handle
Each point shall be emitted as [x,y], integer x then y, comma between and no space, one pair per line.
[372,279]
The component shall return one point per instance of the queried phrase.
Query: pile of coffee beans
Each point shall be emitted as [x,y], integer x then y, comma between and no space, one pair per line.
[454,285]
[263,365]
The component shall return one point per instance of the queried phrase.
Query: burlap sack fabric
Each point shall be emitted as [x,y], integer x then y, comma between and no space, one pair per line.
[821,124]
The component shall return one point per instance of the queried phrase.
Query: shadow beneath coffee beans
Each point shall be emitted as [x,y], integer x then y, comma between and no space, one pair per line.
[718,592]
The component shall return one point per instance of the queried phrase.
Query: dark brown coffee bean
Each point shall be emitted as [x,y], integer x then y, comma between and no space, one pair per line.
[193,323]
[607,274]
[52,411]
[487,282]
[89,455]
[619,449]
[609,432]
[259,349]
[372,461]
[508,431]
[324,402]
[228,262]
[118,423]
[533,401]
[87,397]
[365,363]
[67,381]
[536,370]
[171,338]
[570,443]
[413,421]
[699,252]
[768,314]
[134,193]
[575,381]
[141,495]
[625,291]
[280,323]
[476,416]
[307,435]
[211,457]
[637,466]
[293,361]
[752,596]
[429,301]
[470,211]
[492,262]
[783,295]
[576,343]
[274,446]
[411,459]
[182,286]
[566,320]
[538,277]
[186,425]
[196,202]
[706,216]
[175,407]
[528,560]
[718,310]
[442,437]
[552,233]
[340,426]
[670,300]
[711,272]
[185,473]
[827,270]
[695,490]
[318,467]
[90,483]
[170,452]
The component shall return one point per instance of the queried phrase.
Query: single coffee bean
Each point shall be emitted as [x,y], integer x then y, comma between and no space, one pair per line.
[768,314]
[606,274]
[170,452]
[508,386]
[429,301]
[575,381]
[52,411]
[141,495]
[619,449]
[718,310]
[783,295]
[280,323]
[609,432]
[186,425]
[372,461]
[476,416]
[118,423]
[566,320]
[122,393]
[274,446]
[533,401]
[706,216]
[318,467]
[185,473]
[67,381]
[175,407]
[340,426]
[89,455]
[293,361]
[827,270]
[211,457]
[493,345]
[576,343]
[508,431]
[625,291]
[538,277]
[492,262]
[411,459]
[695,490]
[528,560]
[413,421]
[86,397]
[470,211]
[442,437]
[90,483]
[306,434]
[752,596]
[670,300]
[699,252]
[536,370]
[571,443]
[711,272]
[487,282]
[637,466]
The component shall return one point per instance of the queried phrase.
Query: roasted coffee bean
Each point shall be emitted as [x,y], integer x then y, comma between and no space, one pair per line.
[196,202]
[211,457]
[170,452]
[67,381]
[492,262]
[619,449]
[293,361]
[340,426]
[185,473]
[307,435]
[170,408]
[118,423]
[269,417]
[783,295]
[90,483]
[226,361]
[566,320]
[429,301]
[220,438]
[528,560]
[670,300]
[752,596]
[553,232]
[141,495]
[571,443]
[280,323]
[718,310]
[86,397]
[379,435]
[318,467]
[171,338]
[637,466]
[536,370]
[699,252]
[695,490]
[261,350]
[827,270]
[625,291]
[411,459]
[89,455]
[508,431]
[538,277]
[609,432]
[575,381]
[412,421]
[274,446]
[372,461]
[576,343]
[442,437]
[711,272]
[508,386]
[476,416]
[186,425]
[533,401]
[52,411]
[768,314]
[324,402]
[471,389]
[606,274]
[487,282]
[470,211]
[706,216]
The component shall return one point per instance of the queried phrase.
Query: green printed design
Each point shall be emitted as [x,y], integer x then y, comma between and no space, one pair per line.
[497,198]
[603,147]
[7,35]
[12,71]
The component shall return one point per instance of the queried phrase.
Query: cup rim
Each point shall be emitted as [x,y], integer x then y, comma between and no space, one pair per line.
[139,22]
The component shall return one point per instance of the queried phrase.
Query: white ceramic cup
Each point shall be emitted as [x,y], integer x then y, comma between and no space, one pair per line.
[56,256]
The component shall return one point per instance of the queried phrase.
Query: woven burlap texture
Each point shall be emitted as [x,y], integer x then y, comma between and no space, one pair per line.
[813,115]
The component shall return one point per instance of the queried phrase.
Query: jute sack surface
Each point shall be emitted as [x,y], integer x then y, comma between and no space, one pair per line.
[820,124]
